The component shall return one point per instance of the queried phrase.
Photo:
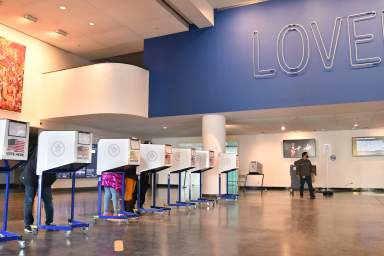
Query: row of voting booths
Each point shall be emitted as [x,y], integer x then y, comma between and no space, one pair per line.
[70,151]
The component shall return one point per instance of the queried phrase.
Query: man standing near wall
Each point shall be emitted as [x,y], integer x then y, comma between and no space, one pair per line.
[304,171]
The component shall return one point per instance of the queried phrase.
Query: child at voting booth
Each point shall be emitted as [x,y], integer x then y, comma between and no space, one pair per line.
[130,196]
[112,186]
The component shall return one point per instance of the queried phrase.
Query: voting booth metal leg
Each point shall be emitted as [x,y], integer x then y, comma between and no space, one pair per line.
[153,190]
[226,196]
[138,192]
[201,199]
[201,185]
[154,208]
[6,236]
[169,190]
[190,188]
[39,188]
[99,194]
[219,184]
[179,203]
[73,198]
[72,223]
[179,189]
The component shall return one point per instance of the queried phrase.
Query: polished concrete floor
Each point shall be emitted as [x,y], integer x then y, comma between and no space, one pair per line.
[275,224]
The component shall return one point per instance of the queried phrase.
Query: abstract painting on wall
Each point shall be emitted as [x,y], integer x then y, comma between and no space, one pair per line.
[12,59]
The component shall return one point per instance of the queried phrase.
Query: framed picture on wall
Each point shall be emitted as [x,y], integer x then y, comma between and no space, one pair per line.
[368,146]
[294,148]
[12,58]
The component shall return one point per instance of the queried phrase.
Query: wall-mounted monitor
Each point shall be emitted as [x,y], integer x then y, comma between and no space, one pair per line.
[294,148]
[368,146]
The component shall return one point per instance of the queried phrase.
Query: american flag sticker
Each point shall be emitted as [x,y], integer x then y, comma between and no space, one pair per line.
[16,145]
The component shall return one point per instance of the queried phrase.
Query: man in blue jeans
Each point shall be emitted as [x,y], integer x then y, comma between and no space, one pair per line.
[304,171]
[30,181]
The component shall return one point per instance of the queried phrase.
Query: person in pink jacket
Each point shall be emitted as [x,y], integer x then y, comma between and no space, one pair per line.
[112,188]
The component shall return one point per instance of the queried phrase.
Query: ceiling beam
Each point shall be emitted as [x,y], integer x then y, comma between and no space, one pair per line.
[198,12]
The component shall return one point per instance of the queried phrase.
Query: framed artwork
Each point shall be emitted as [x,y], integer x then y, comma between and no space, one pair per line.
[12,60]
[294,148]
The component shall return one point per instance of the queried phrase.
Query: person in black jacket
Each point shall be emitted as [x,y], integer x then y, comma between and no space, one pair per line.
[304,171]
[30,181]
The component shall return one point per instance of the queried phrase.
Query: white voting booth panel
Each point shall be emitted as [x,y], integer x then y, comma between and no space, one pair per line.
[182,158]
[154,156]
[60,148]
[13,147]
[204,161]
[14,137]
[227,162]
[116,153]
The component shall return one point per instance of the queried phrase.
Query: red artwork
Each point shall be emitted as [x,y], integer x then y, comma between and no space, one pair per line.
[12,57]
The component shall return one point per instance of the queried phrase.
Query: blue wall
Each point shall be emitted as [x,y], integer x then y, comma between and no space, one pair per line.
[210,70]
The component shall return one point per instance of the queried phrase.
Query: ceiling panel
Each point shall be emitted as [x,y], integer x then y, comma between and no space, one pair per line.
[123,24]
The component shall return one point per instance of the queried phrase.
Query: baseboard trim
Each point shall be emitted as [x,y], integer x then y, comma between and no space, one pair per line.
[376,190]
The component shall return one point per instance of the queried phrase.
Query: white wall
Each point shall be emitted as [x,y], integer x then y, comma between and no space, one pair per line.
[100,88]
[40,58]
[363,172]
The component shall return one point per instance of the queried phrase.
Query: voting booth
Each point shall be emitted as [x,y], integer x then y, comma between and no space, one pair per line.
[227,163]
[204,162]
[153,159]
[184,159]
[62,151]
[13,154]
[255,167]
[116,155]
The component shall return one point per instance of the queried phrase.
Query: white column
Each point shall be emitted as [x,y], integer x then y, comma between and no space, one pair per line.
[213,139]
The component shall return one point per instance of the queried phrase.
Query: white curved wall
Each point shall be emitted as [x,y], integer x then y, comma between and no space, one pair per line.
[94,89]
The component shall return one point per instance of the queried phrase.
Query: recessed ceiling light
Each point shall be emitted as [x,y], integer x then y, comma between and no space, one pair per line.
[61,32]
[62,7]
[355,125]
[282,128]
[91,24]
[30,18]
[165,127]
